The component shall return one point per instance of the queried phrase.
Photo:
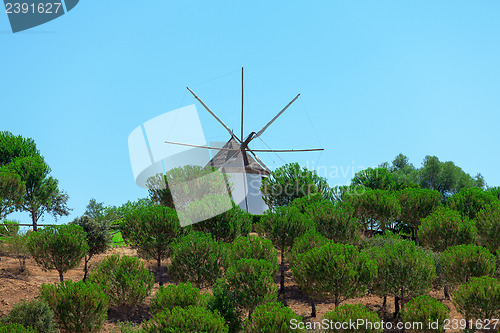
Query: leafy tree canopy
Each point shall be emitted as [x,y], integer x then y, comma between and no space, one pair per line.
[290,182]
[375,209]
[444,177]
[469,201]
[20,156]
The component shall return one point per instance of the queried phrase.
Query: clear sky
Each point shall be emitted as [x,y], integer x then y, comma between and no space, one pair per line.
[376,78]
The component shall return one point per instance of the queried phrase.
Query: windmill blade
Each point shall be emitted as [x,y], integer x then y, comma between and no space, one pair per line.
[259,133]
[285,150]
[213,114]
[242,91]
[197,146]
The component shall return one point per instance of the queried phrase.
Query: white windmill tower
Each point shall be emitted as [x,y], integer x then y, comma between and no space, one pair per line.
[240,163]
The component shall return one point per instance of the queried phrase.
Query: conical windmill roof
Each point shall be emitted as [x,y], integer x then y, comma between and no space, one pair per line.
[234,159]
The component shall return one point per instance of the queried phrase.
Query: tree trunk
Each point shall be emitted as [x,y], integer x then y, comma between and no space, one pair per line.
[61,276]
[396,306]
[85,268]
[33,220]
[160,280]
[337,302]
[446,293]
[384,303]
[282,269]
[415,232]
[402,301]
[313,308]
[250,314]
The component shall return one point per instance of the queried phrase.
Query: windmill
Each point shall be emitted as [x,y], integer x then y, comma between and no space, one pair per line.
[241,163]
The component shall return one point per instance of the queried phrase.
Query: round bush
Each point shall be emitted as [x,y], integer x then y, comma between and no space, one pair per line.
[14,328]
[226,226]
[461,263]
[180,320]
[254,247]
[488,227]
[478,299]
[224,302]
[426,310]
[35,314]
[272,317]
[182,295]
[151,230]
[405,270]
[60,247]
[16,247]
[251,281]
[444,228]
[124,280]
[78,307]
[197,258]
[351,313]
[304,243]
[335,221]
[98,237]
[336,271]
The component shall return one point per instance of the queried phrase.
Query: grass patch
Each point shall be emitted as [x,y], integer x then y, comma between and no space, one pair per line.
[117,240]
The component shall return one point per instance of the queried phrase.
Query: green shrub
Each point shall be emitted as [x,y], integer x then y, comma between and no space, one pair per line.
[98,237]
[469,201]
[124,280]
[374,208]
[462,262]
[183,295]
[405,270]
[478,299]
[78,307]
[180,320]
[254,247]
[10,228]
[283,226]
[426,310]
[337,271]
[197,258]
[417,204]
[304,243]
[35,314]
[272,317]
[14,328]
[374,247]
[152,229]
[60,247]
[224,302]
[16,247]
[335,221]
[227,226]
[351,313]
[251,281]
[488,227]
[446,227]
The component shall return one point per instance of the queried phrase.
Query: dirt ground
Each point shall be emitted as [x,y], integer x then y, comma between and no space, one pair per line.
[16,286]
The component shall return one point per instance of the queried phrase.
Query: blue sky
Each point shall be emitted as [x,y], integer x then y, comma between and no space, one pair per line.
[376,78]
